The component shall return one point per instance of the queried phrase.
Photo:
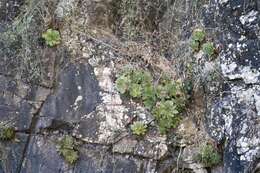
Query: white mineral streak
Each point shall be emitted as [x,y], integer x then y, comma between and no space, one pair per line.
[223,1]
[248,18]
[246,73]
[77,101]
[111,112]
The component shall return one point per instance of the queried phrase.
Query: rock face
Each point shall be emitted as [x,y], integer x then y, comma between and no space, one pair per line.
[93,159]
[234,116]
[77,95]
[9,10]
[46,93]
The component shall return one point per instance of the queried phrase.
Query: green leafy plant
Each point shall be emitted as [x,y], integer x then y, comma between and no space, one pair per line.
[52,37]
[7,133]
[166,100]
[208,156]
[66,147]
[208,49]
[139,128]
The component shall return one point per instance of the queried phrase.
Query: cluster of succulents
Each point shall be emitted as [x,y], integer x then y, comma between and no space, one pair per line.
[198,42]
[166,99]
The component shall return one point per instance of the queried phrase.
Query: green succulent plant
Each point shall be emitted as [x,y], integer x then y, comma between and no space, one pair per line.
[208,156]
[162,92]
[122,84]
[198,35]
[208,49]
[149,96]
[132,82]
[135,90]
[139,128]
[66,148]
[167,115]
[197,43]
[7,133]
[52,37]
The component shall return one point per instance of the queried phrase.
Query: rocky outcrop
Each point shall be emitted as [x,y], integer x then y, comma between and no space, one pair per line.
[234,115]
[46,93]
[93,159]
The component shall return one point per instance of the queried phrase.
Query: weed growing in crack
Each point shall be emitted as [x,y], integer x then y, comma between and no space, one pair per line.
[66,147]
[208,156]
[139,128]
[52,37]
[7,133]
[166,100]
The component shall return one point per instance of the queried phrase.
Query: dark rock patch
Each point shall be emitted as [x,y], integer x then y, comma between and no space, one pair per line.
[12,154]
[42,156]
[77,95]
[9,9]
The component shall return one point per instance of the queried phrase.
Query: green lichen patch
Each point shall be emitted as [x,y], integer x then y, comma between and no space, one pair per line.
[208,156]
[139,128]
[166,98]
[52,37]
[66,147]
[7,133]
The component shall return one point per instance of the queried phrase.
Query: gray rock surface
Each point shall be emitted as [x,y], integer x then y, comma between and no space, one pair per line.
[42,156]
[12,153]
[46,93]
[76,96]
[234,116]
